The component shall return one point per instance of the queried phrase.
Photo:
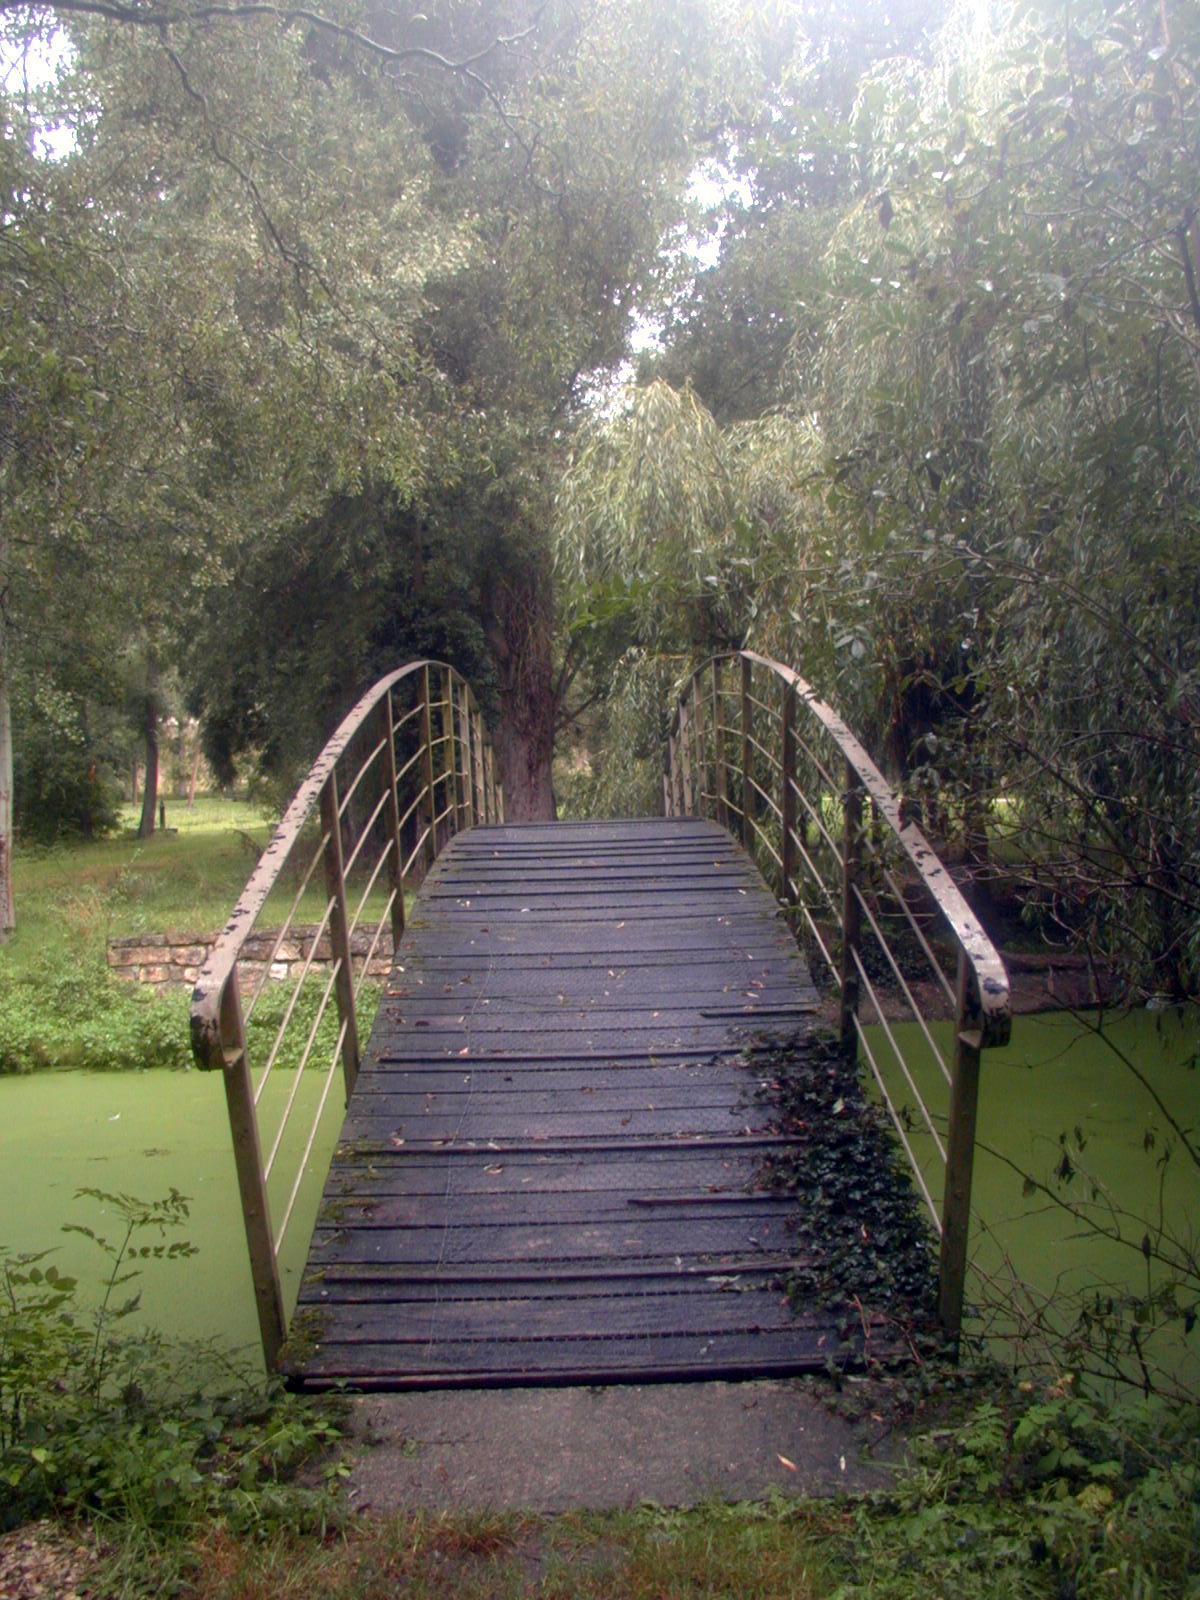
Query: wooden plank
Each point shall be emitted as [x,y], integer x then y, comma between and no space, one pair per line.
[645,1359]
[549,1168]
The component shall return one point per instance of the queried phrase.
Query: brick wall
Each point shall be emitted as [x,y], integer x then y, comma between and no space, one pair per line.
[167,960]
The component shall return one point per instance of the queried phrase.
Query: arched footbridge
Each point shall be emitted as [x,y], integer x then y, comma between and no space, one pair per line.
[542,1040]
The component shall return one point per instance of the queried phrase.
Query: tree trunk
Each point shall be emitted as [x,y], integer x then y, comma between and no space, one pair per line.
[523,756]
[195,777]
[520,633]
[150,726]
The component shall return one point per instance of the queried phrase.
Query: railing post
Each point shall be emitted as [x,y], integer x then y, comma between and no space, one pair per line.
[489,774]
[392,812]
[427,771]
[339,928]
[960,1154]
[747,715]
[462,756]
[720,771]
[852,843]
[787,797]
[465,755]
[470,753]
[247,1155]
[477,761]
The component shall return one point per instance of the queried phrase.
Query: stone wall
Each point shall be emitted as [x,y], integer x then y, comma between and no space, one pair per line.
[169,960]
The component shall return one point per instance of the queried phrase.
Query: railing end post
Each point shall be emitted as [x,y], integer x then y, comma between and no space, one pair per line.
[247,1154]
[960,1154]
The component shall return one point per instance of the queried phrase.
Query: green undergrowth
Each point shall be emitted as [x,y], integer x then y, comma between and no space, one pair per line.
[1038,1494]
[863,1244]
[150,1438]
[1035,1495]
[79,1016]
[89,1020]
[200,1483]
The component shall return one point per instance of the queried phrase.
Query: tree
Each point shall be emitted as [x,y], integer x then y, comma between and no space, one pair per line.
[993,374]
[564,164]
[154,420]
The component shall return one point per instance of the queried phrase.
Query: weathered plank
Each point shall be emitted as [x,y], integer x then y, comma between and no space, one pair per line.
[548,1171]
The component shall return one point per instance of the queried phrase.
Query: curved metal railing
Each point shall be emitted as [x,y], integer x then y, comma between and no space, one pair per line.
[753,746]
[409,766]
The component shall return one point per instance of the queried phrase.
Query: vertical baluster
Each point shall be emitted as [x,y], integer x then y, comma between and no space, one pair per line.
[720,769]
[699,747]
[685,761]
[450,749]
[462,722]
[477,762]
[339,928]
[392,813]
[489,773]
[671,770]
[787,796]
[427,777]
[747,715]
[852,844]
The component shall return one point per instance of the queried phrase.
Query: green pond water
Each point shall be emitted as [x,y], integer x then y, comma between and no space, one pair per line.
[144,1133]
[1056,1080]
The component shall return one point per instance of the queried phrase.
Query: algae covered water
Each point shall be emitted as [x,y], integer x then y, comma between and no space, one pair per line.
[140,1133]
[1083,1107]
[1059,1091]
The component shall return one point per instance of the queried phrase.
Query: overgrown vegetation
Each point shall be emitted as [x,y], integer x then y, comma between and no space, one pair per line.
[81,1017]
[60,1006]
[100,1418]
[1041,1493]
[1035,1495]
[864,1244]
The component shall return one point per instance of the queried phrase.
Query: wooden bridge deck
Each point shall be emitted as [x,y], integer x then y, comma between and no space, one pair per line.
[548,1167]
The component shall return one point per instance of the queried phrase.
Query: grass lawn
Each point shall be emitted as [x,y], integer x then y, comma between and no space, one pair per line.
[70,898]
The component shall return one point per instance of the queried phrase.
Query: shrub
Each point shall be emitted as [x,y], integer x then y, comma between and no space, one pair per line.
[50,1017]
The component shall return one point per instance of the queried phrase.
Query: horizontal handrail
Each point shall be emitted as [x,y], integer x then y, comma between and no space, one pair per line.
[767,757]
[410,765]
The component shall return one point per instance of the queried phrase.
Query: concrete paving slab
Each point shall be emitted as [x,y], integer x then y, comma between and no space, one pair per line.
[547,1449]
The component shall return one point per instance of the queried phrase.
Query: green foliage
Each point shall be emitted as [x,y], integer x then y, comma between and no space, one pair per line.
[64,777]
[53,1016]
[279,1007]
[100,1419]
[863,1240]
[1050,1496]
[972,519]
